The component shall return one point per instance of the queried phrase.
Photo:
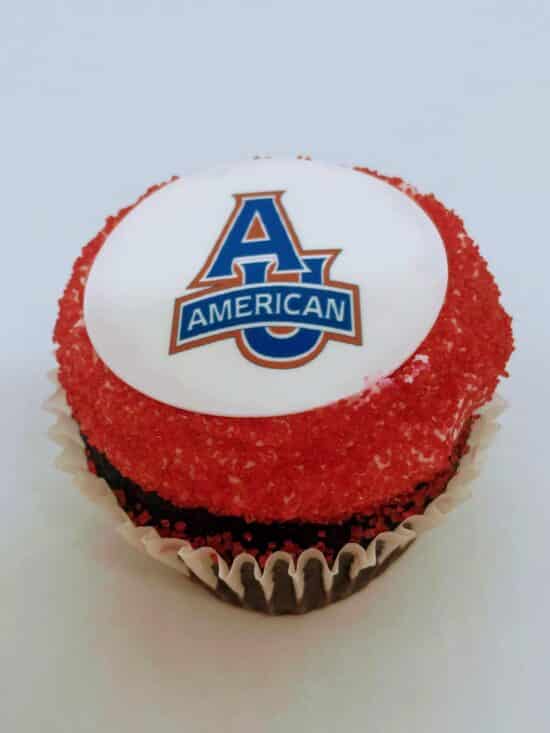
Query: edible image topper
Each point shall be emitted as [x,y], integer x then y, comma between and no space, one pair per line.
[259,287]
[265,288]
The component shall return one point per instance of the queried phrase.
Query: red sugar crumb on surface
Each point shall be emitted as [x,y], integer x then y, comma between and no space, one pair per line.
[142,518]
[322,465]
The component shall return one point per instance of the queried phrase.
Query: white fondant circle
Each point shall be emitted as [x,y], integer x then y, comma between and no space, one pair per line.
[389,248]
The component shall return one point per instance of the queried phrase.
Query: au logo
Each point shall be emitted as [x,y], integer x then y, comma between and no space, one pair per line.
[261,288]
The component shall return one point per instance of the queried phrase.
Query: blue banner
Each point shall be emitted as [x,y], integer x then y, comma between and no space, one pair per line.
[270,304]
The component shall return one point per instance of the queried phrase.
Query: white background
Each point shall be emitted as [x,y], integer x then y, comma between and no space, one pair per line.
[99,103]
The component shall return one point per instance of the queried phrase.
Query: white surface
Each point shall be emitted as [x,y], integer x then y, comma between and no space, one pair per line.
[390,249]
[99,103]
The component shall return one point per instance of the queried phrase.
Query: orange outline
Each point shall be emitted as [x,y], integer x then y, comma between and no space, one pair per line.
[274,276]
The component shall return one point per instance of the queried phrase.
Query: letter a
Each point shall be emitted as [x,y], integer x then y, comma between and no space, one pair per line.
[253,213]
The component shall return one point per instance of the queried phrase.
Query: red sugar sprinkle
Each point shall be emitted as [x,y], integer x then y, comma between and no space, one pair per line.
[142,518]
[322,465]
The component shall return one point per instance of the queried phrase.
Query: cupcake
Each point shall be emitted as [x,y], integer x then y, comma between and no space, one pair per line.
[275,369]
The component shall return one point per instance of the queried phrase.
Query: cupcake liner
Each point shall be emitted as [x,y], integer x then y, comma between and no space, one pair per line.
[286,584]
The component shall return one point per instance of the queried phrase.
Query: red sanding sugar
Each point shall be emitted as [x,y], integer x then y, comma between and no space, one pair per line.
[322,465]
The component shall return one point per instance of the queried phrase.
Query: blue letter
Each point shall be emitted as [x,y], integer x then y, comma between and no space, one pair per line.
[277,246]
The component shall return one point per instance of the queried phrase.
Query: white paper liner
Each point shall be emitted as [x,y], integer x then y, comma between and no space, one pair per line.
[180,555]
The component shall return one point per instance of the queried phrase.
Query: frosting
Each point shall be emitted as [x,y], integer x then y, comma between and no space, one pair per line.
[322,465]
[265,288]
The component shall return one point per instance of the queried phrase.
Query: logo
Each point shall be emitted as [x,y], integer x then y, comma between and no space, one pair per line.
[259,287]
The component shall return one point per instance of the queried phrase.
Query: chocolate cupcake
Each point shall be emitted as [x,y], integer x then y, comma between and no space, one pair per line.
[275,368]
